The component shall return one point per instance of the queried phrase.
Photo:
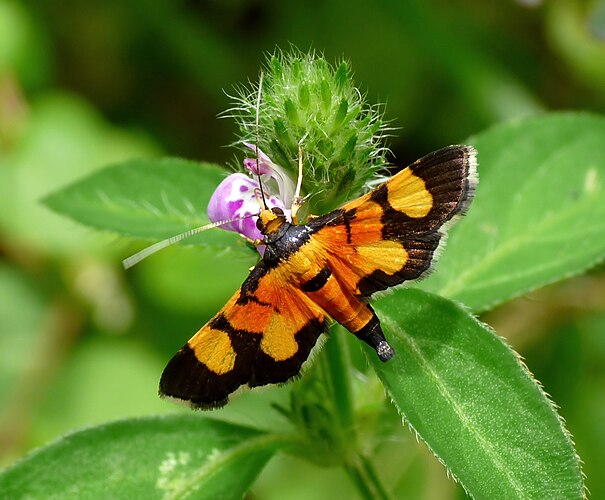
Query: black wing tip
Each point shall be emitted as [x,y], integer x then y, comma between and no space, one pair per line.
[192,404]
[452,151]
[471,178]
[180,383]
[463,156]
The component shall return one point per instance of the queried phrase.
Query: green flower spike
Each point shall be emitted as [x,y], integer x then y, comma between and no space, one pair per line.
[305,101]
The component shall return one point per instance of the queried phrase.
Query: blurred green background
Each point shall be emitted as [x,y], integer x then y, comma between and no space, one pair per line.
[84,83]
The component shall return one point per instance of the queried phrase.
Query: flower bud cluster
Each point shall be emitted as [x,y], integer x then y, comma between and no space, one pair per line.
[307,105]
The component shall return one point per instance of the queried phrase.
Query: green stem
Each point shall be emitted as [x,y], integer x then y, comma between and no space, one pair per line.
[339,375]
[371,474]
[358,480]
[338,368]
[363,475]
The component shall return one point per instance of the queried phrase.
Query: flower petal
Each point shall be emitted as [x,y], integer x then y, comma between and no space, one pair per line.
[236,197]
[265,166]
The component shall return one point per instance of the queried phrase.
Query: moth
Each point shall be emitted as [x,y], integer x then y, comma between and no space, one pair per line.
[326,268]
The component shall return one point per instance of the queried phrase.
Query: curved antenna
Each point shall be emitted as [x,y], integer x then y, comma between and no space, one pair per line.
[258,99]
[297,201]
[160,245]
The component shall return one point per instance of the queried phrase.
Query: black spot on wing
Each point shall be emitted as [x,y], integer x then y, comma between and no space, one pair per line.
[348,217]
[334,218]
[318,281]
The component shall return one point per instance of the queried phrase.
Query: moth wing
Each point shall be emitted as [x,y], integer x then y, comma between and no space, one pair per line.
[261,336]
[392,234]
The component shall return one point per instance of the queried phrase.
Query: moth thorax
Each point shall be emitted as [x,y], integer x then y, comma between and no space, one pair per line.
[270,220]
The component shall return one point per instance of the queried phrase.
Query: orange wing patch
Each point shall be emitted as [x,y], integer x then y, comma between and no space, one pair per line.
[326,268]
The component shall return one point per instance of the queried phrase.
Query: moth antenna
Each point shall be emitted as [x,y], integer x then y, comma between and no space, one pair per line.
[258,99]
[297,201]
[300,174]
[160,245]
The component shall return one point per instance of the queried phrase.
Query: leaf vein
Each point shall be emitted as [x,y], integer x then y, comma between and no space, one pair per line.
[464,418]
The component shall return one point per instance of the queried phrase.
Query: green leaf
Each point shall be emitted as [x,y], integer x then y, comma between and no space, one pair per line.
[103,379]
[468,396]
[145,198]
[538,215]
[64,139]
[157,457]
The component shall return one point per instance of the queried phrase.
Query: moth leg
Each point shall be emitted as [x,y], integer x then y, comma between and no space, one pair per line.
[250,241]
[372,335]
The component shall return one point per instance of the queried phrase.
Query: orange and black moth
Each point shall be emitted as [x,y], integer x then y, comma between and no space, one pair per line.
[326,268]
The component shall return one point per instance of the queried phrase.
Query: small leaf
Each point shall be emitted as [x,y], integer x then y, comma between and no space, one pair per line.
[538,215]
[64,139]
[169,457]
[152,199]
[468,396]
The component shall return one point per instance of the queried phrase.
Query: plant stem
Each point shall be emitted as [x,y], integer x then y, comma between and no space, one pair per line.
[363,475]
[358,479]
[338,368]
[339,373]
[371,473]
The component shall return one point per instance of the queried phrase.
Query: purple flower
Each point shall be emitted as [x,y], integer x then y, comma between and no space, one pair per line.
[238,196]
[269,170]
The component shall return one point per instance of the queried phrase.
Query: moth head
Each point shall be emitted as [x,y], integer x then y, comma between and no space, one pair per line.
[270,220]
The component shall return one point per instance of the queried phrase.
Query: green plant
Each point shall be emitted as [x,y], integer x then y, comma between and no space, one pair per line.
[537,218]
